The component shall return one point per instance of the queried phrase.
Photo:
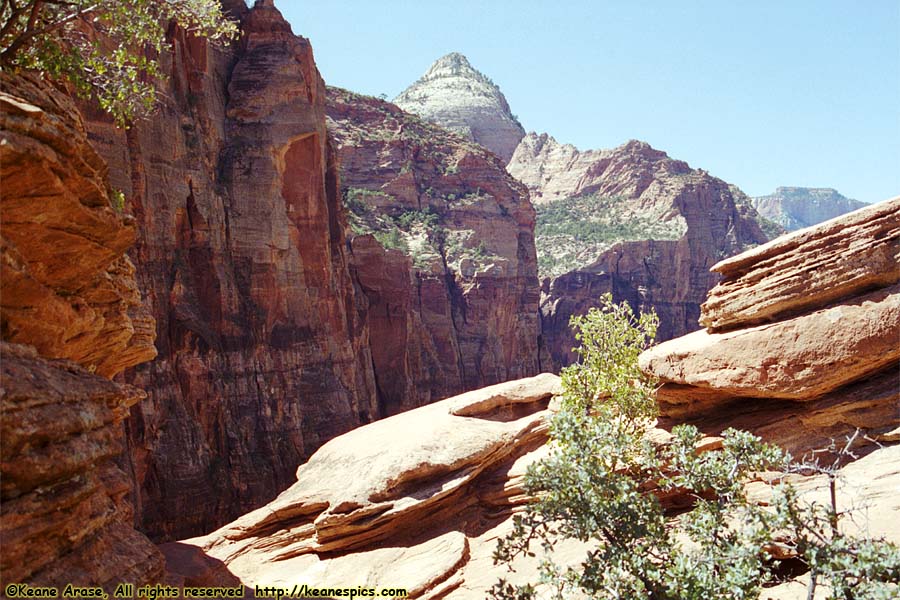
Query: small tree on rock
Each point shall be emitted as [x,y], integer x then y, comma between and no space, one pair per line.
[603,480]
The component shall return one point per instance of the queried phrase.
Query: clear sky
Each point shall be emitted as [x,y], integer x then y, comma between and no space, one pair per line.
[761,93]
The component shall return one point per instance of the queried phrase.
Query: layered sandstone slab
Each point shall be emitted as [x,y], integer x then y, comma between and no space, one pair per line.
[809,268]
[795,359]
[435,480]
[68,288]
[832,342]
[441,483]
[66,517]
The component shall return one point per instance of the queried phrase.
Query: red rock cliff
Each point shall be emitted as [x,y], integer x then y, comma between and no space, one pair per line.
[69,292]
[241,254]
[453,300]
[701,217]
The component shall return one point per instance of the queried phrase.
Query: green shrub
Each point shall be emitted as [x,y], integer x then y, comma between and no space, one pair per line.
[57,38]
[596,487]
[392,239]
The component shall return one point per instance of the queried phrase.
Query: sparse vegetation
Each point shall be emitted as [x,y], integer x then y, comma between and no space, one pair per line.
[117,199]
[392,239]
[602,482]
[572,232]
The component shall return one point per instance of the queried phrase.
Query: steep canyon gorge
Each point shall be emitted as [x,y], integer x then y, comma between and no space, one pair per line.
[296,265]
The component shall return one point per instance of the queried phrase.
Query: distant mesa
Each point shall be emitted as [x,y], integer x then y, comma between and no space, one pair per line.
[798,207]
[458,97]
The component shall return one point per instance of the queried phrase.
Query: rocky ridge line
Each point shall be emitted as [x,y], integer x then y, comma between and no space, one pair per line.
[797,207]
[695,220]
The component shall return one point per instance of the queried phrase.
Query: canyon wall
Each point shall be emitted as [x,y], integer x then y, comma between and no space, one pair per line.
[264,308]
[71,305]
[635,223]
[242,257]
[442,245]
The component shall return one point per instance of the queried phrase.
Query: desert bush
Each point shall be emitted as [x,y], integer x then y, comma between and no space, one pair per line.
[602,482]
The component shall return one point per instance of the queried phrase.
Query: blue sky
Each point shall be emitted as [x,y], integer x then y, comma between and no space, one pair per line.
[761,94]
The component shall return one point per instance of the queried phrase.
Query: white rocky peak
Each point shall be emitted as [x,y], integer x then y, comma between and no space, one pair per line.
[455,95]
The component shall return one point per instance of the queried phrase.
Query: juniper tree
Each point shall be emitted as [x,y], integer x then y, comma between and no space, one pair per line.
[602,482]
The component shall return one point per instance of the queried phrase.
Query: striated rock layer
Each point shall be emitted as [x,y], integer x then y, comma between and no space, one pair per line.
[455,95]
[66,514]
[423,514]
[825,361]
[453,299]
[700,219]
[797,207]
[241,253]
[68,289]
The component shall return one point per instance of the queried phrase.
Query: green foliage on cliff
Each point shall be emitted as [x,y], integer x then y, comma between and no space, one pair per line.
[571,233]
[106,49]
[602,481]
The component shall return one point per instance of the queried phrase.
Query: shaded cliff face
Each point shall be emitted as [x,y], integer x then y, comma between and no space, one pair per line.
[638,224]
[455,95]
[241,254]
[68,290]
[442,248]
[797,207]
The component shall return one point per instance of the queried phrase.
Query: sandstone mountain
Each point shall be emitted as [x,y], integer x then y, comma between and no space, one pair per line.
[442,246]
[797,207]
[429,508]
[68,293]
[635,223]
[455,95]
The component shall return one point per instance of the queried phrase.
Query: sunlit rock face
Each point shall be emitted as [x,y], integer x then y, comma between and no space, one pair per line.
[70,303]
[456,96]
[797,207]
[801,335]
[630,221]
